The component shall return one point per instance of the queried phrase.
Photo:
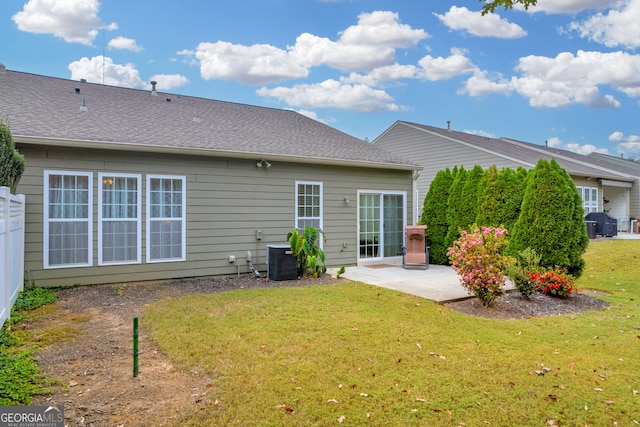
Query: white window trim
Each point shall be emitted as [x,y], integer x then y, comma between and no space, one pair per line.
[138,218]
[47,220]
[588,206]
[148,218]
[320,218]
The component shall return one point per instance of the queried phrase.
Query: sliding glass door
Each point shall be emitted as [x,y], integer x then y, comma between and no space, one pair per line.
[381,223]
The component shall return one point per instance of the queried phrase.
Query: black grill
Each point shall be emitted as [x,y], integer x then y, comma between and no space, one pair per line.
[606,225]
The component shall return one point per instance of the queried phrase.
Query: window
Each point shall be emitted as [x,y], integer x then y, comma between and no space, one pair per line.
[308,204]
[119,223]
[166,218]
[68,215]
[589,198]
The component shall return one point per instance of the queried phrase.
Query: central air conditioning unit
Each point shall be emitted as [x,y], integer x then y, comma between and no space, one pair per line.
[281,264]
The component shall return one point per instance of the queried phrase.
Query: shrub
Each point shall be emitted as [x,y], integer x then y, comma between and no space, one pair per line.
[553,282]
[528,262]
[552,219]
[500,197]
[454,203]
[11,161]
[434,215]
[477,258]
[304,246]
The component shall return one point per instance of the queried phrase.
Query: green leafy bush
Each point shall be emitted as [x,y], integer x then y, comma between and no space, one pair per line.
[528,261]
[304,246]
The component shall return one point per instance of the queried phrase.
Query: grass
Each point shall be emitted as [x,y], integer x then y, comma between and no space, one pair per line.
[20,376]
[371,356]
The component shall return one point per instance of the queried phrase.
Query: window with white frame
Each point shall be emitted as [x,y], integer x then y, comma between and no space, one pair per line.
[166,218]
[589,198]
[68,216]
[119,218]
[308,204]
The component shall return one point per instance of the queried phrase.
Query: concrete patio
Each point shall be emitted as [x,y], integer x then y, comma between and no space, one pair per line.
[438,283]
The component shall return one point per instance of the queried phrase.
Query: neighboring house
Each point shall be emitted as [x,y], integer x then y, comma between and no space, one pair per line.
[602,186]
[127,185]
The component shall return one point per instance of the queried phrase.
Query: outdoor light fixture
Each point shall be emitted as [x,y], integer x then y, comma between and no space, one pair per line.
[347,199]
[263,162]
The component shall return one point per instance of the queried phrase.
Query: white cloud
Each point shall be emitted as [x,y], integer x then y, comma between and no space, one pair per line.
[313,115]
[490,25]
[441,68]
[333,94]
[124,43]
[480,132]
[584,149]
[368,45]
[169,81]
[75,21]
[566,79]
[618,27]
[257,64]
[627,144]
[569,6]
[101,69]
[382,29]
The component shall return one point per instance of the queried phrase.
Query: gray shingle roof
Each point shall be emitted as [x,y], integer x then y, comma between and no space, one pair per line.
[529,154]
[37,107]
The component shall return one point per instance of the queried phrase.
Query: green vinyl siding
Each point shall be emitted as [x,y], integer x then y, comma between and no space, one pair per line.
[227,200]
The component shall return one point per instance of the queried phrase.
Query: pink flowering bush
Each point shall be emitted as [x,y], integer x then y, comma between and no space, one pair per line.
[477,257]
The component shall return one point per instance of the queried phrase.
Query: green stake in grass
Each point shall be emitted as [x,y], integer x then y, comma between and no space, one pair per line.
[135,347]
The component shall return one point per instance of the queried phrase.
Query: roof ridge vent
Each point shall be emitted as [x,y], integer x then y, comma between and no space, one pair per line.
[154,92]
[3,69]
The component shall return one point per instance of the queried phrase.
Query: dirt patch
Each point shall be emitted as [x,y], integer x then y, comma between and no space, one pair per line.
[94,364]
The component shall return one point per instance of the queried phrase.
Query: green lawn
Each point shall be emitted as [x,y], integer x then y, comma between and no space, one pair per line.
[354,354]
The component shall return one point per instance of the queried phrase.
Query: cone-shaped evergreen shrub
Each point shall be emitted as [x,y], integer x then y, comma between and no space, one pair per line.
[434,215]
[469,200]
[500,197]
[454,210]
[11,161]
[552,219]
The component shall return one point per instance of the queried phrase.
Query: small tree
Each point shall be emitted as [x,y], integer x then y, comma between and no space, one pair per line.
[551,221]
[434,215]
[11,161]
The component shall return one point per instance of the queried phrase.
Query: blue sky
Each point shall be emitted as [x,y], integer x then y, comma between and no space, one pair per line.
[566,71]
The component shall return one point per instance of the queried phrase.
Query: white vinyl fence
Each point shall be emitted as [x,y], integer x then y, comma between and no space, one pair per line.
[11,250]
